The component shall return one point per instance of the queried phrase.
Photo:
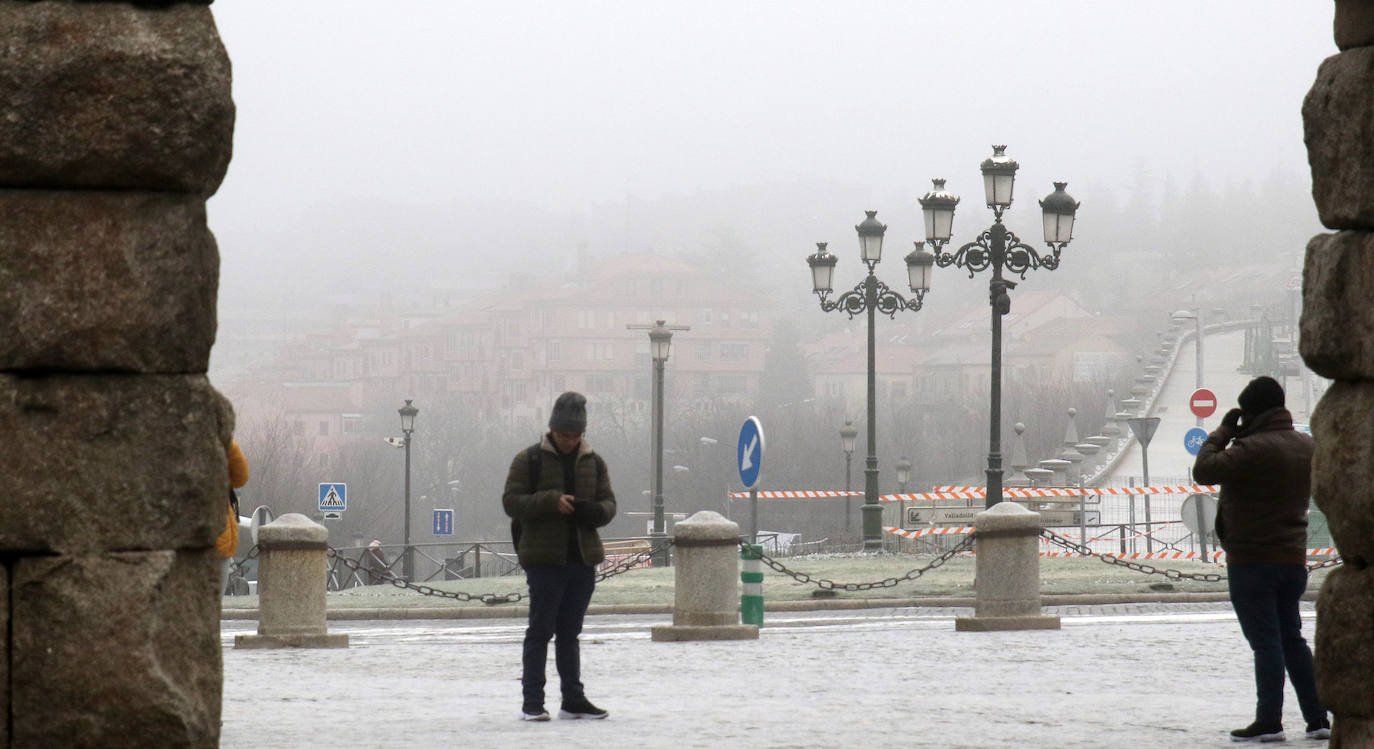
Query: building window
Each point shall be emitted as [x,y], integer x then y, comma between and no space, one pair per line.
[352,423]
[298,428]
[704,351]
[704,317]
[324,429]
[586,319]
[554,354]
[600,351]
[734,352]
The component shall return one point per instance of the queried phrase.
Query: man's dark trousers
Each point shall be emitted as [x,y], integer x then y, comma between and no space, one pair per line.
[1265,597]
[558,602]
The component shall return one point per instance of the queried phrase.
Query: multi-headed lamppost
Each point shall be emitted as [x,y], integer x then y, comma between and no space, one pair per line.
[871,295]
[660,343]
[996,248]
[407,413]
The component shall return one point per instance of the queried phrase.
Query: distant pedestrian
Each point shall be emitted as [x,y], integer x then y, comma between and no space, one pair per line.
[1264,468]
[374,562]
[557,494]
[228,541]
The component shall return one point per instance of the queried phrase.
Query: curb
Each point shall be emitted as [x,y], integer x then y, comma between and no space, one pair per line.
[631,609]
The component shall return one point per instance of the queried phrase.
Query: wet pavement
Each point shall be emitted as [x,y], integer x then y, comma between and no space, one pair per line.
[1129,675]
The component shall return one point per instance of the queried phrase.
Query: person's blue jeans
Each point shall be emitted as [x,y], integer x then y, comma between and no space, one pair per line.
[1265,597]
[558,602]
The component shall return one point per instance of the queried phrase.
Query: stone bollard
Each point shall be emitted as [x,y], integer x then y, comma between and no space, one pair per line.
[706,582]
[1006,577]
[292,568]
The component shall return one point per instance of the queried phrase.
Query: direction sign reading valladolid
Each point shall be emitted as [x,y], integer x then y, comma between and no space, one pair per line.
[333,497]
[750,452]
[920,517]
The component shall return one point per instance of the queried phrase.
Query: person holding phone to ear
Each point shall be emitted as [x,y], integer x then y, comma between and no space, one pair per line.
[1264,468]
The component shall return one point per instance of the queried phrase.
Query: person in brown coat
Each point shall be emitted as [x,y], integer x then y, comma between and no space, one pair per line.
[1264,468]
[559,493]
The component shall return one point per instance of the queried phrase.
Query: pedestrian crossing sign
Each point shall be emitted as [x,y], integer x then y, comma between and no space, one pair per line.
[333,497]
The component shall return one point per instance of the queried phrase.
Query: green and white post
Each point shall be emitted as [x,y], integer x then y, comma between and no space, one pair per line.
[751,585]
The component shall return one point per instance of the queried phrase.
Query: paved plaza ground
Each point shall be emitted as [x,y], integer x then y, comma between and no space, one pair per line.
[1129,675]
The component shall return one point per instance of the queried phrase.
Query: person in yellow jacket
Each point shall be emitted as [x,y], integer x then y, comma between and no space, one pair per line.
[228,540]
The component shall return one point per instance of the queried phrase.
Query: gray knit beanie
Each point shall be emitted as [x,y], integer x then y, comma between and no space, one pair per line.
[569,413]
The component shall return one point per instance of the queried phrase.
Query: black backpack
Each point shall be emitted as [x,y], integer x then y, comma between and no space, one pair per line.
[531,459]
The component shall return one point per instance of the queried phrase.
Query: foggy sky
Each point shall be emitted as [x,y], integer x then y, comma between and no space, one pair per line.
[376,142]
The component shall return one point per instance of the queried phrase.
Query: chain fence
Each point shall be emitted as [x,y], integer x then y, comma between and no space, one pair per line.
[822,584]
[643,559]
[1147,569]
[632,561]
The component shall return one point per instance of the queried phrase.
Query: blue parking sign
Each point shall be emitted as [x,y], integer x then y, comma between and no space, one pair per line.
[443,522]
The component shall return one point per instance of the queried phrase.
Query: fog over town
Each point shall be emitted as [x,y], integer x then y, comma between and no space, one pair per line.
[403,167]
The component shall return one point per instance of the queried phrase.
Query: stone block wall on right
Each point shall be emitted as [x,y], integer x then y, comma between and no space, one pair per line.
[1337,341]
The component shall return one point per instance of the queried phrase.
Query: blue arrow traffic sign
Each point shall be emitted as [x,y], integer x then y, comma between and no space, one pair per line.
[1192,441]
[750,452]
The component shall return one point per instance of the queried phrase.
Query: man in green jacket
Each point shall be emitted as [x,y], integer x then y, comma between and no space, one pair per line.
[557,494]
[1264,468]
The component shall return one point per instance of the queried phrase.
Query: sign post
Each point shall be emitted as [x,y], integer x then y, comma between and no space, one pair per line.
[749,452]
[1143,427]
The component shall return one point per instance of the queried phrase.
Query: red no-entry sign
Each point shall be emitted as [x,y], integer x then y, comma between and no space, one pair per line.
[1203,403]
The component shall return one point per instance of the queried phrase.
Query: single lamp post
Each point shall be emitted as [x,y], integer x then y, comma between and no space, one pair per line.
[847,436]
[1196,317]
[871,296]
[660,343]
[407,413]
[903,474]
[996,248]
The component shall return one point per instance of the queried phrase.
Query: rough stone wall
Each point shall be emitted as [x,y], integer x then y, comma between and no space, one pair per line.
[116,124]
[1338,342]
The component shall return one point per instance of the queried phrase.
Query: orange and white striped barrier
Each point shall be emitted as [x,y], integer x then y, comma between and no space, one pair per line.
[979,492]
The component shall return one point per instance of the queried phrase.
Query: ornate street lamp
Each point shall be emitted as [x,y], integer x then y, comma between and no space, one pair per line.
[407,413]
[996,248]
[903,474]
[847,436]
[871,296]
[660,344]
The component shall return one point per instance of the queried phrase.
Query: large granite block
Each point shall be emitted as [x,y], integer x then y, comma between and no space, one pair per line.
[1343,467]
[1354,25]
[116,650]
[1338,122]
[1344,651]
[106,281]
[1337,338]
[4,653]
[111,463]
[113,95]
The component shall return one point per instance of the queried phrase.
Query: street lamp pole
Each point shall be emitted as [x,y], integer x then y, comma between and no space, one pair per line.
[998,248]
[847,436]
[407,413]
[1196,317]
[903,474]
[871,296]
[660,343]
